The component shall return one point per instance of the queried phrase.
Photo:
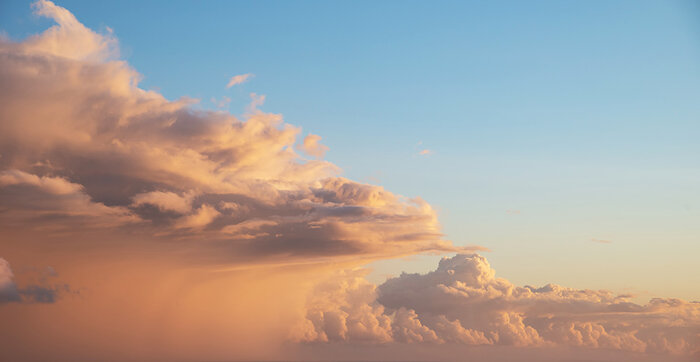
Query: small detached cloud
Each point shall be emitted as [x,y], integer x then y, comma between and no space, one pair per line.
[422,150]
[601,241]
[221,103]
[256,100]
[239,79]
[512,212]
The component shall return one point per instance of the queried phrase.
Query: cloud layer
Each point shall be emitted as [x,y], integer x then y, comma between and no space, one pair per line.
[84,146]
[209,231]
[463,302]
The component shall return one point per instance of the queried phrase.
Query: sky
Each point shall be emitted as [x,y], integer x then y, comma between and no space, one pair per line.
[251,179]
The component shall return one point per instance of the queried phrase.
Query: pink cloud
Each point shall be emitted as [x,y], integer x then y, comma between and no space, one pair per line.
[463,302]
[238,79]
[139,163]
[312,146]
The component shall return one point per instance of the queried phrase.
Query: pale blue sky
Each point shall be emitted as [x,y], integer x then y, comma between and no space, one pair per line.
[583,116]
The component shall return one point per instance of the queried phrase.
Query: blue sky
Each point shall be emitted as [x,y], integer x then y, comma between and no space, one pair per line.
[581,116]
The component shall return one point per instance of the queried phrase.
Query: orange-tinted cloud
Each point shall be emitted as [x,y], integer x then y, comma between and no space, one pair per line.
[238,79]
[425,152]
[312,146]
[199,235]
[94,146]
[40,292]
[463,302]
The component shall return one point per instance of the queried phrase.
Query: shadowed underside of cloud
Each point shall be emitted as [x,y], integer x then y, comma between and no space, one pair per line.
[85,151]
[84,148]
[10,293]
[463,302]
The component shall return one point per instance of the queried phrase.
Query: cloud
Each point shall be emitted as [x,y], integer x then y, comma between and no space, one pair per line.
[165,201]
[601,241]
[201,217]
[256,100]
[54,203]
[312,146]
[69,38]
[85,148]
[8,288]
[343,308]
[463,302]
[222,103]
[205,229]
[425,152]
[52,185]
[238,79]
[9,292]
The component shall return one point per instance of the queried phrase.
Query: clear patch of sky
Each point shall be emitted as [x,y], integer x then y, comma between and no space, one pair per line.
[584,116]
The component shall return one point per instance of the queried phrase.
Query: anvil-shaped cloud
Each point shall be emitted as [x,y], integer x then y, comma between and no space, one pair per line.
[84,147]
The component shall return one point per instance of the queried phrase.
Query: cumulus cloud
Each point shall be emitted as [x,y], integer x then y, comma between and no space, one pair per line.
[238,79]
[312,146]
[344,308]
[82,144]
[69,38]
[463,302]
[85,149]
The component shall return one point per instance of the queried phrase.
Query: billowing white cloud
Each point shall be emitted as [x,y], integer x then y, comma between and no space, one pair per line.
[463,302]
[69,38]
[344,308]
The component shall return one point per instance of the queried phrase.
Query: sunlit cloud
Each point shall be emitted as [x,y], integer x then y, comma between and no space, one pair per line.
[312,146]
[238,79]
[203,235]
[221,103]
[125,159]
[463,302]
